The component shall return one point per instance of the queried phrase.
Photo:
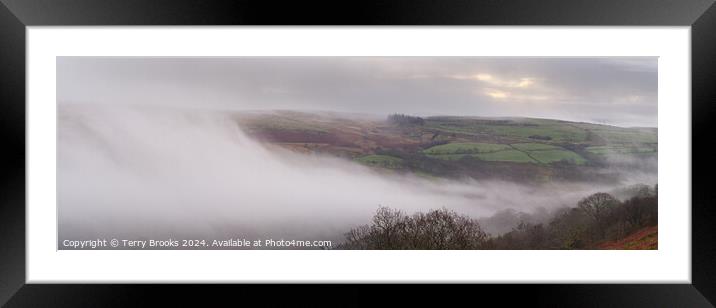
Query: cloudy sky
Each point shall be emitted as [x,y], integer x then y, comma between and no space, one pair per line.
[619,91]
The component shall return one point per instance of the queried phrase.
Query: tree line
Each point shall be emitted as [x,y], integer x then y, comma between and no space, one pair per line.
[596,218]
[402,119]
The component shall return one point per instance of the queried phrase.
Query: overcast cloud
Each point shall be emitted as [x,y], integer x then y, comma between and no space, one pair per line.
[619,91]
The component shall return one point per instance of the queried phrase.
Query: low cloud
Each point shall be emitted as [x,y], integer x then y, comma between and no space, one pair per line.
[619,90]
[142,172]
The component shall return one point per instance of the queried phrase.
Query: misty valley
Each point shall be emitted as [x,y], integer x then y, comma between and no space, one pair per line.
[361,181]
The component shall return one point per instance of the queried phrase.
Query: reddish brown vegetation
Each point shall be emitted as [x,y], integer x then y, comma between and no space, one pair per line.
[643,239]
[308,133]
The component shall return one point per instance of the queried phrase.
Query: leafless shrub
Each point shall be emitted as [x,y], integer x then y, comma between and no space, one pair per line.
[436,229]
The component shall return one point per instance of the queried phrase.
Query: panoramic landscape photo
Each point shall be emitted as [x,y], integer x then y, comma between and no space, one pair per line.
[330,153]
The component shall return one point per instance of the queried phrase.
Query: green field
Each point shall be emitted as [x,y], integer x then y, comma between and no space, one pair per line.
[383,161]
[551,156]
[499,156]
[554,133]
[625,136]
[481,151]
[527,129]
[450,156]
[534,146]
[613,134]
[621,149]
[465,148]
[518,152]
[507,155]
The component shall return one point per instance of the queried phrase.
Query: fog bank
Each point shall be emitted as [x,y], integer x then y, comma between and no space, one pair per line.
[155,172]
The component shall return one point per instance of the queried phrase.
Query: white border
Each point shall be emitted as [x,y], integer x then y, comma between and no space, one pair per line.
[671,263]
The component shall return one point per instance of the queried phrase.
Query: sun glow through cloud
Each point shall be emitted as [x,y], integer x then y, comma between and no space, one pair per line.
[496,94]
[622,90]
[522,82]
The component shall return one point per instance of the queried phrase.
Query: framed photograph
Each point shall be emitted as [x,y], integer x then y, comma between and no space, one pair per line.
[187,142]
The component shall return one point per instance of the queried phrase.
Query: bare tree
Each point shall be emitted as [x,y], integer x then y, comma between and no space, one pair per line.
[388,224]
[436,229]
[598,206]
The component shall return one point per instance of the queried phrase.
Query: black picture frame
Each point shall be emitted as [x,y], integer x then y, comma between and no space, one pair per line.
[16,15]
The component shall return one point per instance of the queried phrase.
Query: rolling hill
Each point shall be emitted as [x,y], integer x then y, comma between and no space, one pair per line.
[515,149]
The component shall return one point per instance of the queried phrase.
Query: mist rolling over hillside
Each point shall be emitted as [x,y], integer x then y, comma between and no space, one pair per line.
[526,153]
[162,172]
